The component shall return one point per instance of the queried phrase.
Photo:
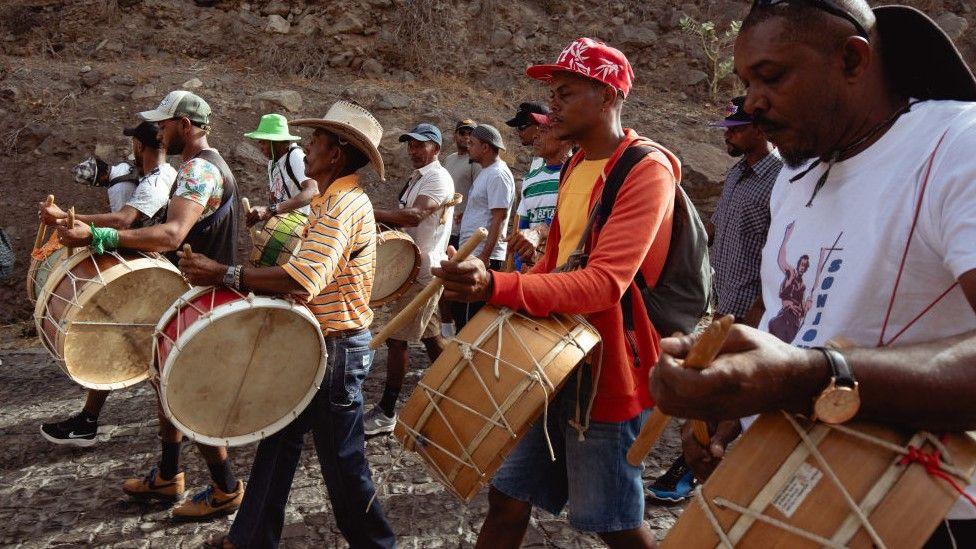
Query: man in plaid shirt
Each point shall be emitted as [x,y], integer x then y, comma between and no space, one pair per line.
[737,234]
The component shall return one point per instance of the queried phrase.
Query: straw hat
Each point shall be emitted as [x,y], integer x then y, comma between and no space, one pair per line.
[354,124]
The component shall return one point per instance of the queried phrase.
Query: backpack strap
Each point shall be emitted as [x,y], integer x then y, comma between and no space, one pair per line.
[291,173]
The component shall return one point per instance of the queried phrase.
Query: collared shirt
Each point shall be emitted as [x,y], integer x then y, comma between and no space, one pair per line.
[741,222]
[430,235]
[336,261]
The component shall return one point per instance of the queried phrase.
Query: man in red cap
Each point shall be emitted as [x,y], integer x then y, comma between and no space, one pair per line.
[596,417]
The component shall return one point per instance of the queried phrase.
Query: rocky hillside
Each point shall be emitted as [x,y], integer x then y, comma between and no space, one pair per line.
[74,72]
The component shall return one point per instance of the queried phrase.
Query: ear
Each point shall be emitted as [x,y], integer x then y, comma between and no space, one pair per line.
[857,57]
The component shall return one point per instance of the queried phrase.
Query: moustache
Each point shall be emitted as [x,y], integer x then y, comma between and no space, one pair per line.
[765,124]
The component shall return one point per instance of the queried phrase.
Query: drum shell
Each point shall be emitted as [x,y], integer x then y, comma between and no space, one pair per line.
[767,459]
[397,266]
[228,390]
[96,314]
[278,240]
[558,343]
[38,272]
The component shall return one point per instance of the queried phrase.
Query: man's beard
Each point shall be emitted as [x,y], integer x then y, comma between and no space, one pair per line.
[735,152]
[176,147]
[796,159]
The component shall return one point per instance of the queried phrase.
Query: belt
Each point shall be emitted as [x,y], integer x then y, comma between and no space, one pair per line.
[343,334]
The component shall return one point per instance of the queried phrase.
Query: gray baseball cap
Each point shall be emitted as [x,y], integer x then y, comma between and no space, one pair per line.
[177,104]
[489,134]
[423,132]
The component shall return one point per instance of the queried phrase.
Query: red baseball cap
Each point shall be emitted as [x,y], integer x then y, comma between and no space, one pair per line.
[591,59]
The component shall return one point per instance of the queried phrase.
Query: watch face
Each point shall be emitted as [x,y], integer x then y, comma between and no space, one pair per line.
[837,404]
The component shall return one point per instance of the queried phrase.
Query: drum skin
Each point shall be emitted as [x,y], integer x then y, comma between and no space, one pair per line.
[96,314]
[279,239]
[234,369]
[397,265]
[558,344]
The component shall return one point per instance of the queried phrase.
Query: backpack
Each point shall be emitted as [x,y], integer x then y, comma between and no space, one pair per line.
[7,257]
[681,296]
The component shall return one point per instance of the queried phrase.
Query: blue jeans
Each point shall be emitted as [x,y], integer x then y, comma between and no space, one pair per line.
[604,493]
[335,417]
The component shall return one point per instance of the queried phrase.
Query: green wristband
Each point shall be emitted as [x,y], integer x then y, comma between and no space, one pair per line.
[104,239]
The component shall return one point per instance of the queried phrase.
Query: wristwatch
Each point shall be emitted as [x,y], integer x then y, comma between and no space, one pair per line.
[229,276]
[273,209]
[840,400]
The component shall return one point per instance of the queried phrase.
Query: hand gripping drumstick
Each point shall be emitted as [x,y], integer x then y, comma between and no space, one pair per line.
[702,353]
[247,209]
[418,301]
[41,227]
[71,225]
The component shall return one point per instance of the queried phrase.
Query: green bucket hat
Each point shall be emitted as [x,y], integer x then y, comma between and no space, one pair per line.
[272,127]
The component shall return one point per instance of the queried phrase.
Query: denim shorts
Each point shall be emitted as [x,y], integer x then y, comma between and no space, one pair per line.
[604,493]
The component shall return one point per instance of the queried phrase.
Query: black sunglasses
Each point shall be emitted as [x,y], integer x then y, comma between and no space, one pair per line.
[823,5]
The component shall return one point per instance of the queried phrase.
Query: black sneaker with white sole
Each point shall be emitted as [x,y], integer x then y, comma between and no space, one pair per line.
[75,431]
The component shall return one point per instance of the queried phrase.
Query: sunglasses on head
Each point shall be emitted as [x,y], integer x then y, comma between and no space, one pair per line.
[826,6]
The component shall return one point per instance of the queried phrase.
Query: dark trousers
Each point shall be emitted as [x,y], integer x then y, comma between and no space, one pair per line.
[463,312]
[335,417]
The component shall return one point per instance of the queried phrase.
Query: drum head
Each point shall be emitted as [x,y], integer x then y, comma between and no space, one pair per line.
[110,339]
[243,376]
[397,263]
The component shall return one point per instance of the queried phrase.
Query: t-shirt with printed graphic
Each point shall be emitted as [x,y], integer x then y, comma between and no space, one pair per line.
[845,250]
[539,191]
[200,181]
[280,182]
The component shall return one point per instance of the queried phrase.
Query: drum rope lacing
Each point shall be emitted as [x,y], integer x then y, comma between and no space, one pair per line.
[537,376]
[932,462]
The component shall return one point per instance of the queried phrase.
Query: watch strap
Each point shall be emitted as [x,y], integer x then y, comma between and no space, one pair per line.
[840,370]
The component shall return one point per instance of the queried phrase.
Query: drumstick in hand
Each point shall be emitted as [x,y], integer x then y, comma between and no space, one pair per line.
[41,227]
[71,225]
[420,299]
[702,353]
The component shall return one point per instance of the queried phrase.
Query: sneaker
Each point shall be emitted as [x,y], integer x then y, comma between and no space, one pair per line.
[376,422]
[152,486]
[211,502]
[673,486]
[74,431]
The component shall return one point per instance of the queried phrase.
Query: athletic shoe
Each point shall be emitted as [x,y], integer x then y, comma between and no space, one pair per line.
[152,486]
[211,502]
[673,486]
[74,431]
[376,422]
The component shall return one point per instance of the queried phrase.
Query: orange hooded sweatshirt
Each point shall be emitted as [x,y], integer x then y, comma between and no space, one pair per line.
[636,236]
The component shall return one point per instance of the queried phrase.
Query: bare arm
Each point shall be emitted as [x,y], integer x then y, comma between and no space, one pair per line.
[494,231]
[310,189]
[180,218]
[423,207]
[122,219]
[784,265]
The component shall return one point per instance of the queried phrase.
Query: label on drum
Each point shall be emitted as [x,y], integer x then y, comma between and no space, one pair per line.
[797,489]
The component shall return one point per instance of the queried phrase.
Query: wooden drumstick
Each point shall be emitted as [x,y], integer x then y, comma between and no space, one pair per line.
[701,354]
[420,299]
[71,225]
[247,205]
[41,227]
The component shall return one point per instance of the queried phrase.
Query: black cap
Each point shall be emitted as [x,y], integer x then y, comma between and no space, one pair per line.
[146,132]
[920,59]
[735,114]
[524,115]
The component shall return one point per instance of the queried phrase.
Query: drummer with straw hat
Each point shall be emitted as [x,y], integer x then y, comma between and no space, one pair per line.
[333,271]
[290,189]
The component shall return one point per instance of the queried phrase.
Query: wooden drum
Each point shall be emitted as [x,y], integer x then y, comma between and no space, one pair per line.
[96,313]
[279,239]
[397,265]
[234,368]
[778,487]
[40,269]
[485,391]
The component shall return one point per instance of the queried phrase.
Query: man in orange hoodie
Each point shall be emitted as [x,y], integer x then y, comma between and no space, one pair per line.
[588,83]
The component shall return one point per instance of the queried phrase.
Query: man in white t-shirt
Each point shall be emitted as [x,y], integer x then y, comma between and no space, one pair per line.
[488,205]
[290,189]
[872,233]
[421,214]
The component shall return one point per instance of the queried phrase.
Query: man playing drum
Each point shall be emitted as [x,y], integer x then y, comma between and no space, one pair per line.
[334,271]
[289,187]
[420,215]
[590,433]
[145,207]
[878,134]
[202,213]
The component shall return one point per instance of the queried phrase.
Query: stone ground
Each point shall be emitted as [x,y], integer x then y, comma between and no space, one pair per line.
[53,496]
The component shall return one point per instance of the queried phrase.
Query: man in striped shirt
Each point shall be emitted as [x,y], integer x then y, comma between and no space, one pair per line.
[334,269]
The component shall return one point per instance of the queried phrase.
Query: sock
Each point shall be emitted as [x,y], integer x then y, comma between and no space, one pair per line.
[222,476]
[88,417]
[388,402]
[169,465]
[447,329]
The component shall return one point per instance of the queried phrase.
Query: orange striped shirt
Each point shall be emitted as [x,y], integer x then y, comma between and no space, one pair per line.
[341,224]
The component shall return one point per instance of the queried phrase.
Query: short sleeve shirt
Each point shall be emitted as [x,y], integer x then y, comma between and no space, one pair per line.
[280,182]
[200,181]
[152,194]
[430,235]
[494,188]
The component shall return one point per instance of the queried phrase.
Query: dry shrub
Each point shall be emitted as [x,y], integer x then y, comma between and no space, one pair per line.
[423,34]
[308,59]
